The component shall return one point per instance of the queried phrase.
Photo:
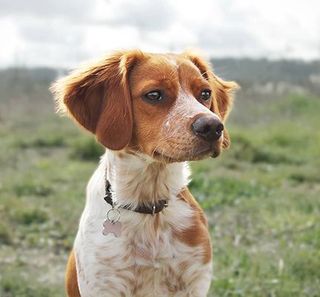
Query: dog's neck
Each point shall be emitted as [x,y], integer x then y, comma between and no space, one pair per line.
[138,179]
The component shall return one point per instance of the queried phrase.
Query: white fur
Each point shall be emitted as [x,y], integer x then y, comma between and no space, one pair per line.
[186,107]
[143,261]
[179,140]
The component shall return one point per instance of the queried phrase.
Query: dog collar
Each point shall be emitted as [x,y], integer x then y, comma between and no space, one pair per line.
[144,209]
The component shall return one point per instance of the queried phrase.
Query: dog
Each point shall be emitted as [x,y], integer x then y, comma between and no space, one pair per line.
[141,232]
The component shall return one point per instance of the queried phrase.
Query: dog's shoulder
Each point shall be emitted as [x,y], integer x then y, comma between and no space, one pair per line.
[187,197]
[197,234]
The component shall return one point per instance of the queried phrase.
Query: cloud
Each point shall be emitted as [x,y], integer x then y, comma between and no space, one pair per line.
[71,9]
[33,31]
[64,33]
[144,15]
[231,41]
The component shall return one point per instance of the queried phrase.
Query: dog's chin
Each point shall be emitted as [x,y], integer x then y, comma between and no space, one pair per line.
[212,152]
[200,154]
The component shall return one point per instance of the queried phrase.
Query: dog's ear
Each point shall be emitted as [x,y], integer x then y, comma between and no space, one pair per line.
[222,92]
[98,98]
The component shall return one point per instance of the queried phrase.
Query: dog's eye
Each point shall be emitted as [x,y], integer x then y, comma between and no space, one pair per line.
[153,96]
[205,94]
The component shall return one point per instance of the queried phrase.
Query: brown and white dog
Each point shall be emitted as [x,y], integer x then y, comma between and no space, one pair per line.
[152,112]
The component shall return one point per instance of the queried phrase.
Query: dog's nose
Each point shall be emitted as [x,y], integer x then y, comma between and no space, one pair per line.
[208,128]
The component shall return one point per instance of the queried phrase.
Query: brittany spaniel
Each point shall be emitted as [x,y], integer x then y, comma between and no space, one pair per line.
[141,232]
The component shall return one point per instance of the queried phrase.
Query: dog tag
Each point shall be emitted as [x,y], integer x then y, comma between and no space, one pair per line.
[111,227]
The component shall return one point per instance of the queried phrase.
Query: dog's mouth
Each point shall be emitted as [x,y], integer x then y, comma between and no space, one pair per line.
[212,151]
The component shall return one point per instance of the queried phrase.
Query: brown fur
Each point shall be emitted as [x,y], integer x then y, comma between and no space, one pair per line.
[72,288]
[223,92]
[98,98]
[105,97]
[197,234]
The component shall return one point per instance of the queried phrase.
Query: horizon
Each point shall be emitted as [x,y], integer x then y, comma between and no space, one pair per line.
[211,59]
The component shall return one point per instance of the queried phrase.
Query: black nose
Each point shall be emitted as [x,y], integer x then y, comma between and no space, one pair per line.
[208,128]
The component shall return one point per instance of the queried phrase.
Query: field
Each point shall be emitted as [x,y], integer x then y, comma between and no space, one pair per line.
[262,196]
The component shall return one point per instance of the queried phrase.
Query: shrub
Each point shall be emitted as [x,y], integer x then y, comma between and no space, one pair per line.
[30,216]
[5,237]
[86,149]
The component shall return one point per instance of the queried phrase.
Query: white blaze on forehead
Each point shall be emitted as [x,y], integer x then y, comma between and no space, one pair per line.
[187,106]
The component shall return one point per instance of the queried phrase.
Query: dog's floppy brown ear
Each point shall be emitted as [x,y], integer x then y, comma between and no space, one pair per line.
[222,92]
[98,98]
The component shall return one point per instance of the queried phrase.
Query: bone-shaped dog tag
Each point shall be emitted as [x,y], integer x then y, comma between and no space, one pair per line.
[111,227]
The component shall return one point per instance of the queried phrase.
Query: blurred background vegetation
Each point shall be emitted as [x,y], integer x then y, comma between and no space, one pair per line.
[261,196]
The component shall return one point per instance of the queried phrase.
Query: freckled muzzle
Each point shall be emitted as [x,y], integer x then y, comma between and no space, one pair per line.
[191,131]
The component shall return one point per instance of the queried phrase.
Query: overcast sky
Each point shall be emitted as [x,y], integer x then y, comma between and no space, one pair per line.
[65,33]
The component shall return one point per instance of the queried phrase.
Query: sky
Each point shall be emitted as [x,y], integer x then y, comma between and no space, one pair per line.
[65,33]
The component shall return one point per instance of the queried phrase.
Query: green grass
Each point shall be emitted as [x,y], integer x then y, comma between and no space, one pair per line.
[261,198]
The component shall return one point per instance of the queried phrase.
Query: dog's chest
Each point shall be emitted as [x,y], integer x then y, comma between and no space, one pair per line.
[148,258]
[145,258]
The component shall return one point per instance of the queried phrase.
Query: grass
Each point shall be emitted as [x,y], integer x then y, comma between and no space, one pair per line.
[261,198]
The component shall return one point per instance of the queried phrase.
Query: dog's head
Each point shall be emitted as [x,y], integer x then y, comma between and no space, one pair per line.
[170,107]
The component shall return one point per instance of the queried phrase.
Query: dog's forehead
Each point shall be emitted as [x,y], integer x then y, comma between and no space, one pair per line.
[164,66]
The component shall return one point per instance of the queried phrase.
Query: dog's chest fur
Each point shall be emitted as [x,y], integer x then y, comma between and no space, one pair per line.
[148,259]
